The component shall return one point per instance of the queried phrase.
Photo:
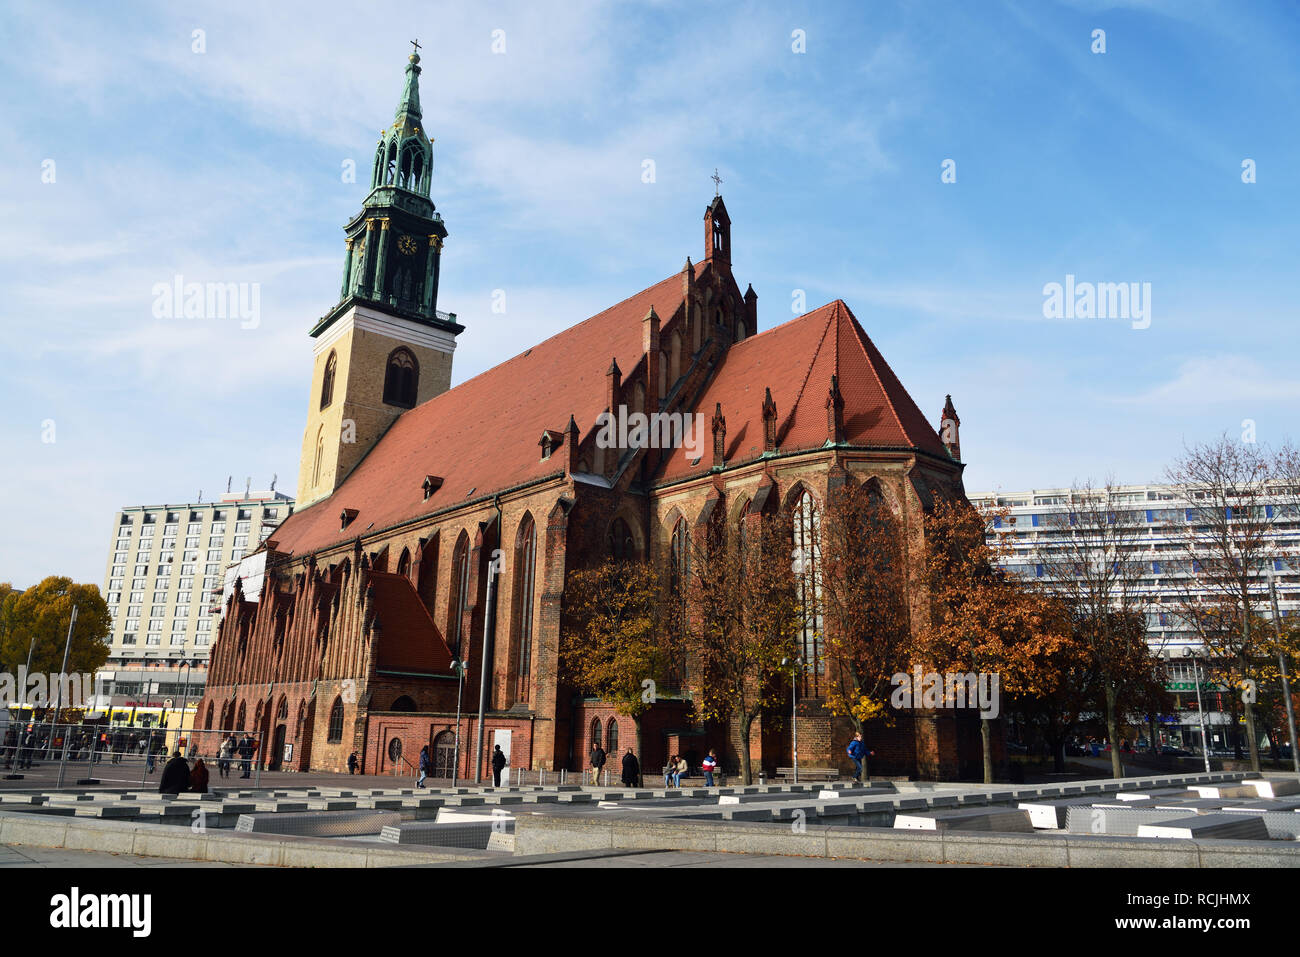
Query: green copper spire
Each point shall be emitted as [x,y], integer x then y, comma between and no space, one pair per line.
[394,244]
[410,104]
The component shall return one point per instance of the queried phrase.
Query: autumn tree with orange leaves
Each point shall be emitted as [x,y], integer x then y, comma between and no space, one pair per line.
[864,583]
[982,620]
[621,639]
[743,620]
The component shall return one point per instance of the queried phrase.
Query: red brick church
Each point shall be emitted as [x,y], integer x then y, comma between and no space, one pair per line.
[408,488]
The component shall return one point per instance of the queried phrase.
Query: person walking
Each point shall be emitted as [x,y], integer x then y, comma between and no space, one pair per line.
[25,755]
[424,766]
[857,750]
[498,764]
[224,755]
[352,763]
[631,769]
[709,764]
[597,762]
[246,755]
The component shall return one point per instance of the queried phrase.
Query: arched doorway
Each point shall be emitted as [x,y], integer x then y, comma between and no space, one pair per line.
[444,754]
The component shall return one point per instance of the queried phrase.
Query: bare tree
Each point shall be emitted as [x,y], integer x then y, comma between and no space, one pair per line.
[1236,493]
[1094,559]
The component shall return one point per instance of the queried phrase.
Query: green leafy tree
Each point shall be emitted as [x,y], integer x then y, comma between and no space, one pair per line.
[621,637]
[37,619]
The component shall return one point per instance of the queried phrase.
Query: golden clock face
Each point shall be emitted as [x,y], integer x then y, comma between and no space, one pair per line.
[406,245]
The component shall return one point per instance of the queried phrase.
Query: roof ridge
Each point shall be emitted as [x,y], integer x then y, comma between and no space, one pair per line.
[563,332]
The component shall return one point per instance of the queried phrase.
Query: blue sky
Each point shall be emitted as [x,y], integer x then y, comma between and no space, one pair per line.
[226,166]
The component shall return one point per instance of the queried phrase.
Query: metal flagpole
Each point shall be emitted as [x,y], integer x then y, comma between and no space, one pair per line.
[58,694]
[460,685]
[493,565]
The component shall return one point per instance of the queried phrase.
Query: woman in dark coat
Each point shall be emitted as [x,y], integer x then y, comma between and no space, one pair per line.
[175,776]
[631,769]
[199,777]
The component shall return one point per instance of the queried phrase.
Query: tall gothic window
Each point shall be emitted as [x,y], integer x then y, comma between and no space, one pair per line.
[320,456]
[680,573]
[622,546]
[807,561]
[611,738]
[459,592]
[742,528]
[525,560]
[402,378]
[327,386]
[336,722]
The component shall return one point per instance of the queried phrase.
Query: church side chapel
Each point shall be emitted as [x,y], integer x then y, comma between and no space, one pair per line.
[408,489]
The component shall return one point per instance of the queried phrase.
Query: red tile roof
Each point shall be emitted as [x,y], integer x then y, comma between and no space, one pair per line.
[482,435]
[796,361]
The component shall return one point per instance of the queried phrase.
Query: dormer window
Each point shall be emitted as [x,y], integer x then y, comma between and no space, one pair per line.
[431,484]
[346,517]
[549,442]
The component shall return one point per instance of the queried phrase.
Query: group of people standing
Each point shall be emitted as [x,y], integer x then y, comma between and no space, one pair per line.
[245,747]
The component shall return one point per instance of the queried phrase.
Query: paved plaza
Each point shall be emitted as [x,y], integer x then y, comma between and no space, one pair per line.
[1211,819]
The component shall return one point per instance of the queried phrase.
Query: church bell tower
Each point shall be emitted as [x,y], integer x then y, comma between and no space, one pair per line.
[384,347]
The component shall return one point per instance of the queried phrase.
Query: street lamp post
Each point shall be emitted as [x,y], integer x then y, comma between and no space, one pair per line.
[185,693]
[1286,682]
[793,664]
[459,668]
[1200,708]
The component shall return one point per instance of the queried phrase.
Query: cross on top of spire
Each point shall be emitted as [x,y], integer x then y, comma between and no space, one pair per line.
[415,47]
[717,181]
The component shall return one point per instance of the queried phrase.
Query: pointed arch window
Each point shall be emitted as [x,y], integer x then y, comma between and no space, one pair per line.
[611,738]
[336,722]
[622,546]
[807,560]
[459,592]
[525,562]
[401,379]
[679,576]
[327,383]
[595,733]
[320,456]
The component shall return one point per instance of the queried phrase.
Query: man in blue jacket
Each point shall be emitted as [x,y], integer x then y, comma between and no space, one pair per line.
[858,752]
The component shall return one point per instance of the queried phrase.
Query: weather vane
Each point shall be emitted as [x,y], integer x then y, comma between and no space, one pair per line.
[717,181]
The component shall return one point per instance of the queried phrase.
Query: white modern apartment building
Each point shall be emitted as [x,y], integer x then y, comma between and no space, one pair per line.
[1160,516]
[165,571]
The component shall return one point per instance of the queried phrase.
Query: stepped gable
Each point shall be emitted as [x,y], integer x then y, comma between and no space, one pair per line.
[481,436]
[796,361]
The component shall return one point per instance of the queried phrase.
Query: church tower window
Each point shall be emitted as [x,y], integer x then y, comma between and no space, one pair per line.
[327,386]
[401,380]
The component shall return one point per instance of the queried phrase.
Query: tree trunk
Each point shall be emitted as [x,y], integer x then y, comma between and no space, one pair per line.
[986,737]
[746,772]
[1112,731]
